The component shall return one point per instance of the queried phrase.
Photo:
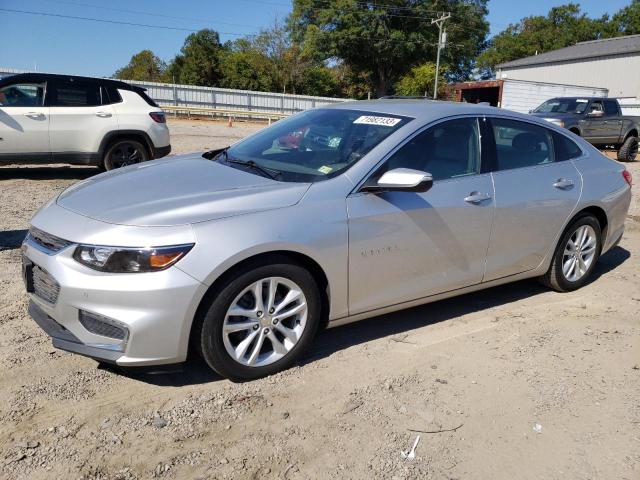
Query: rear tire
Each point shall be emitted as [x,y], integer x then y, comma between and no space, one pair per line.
[124,152]
[576,255]
[629,150]
[275,343]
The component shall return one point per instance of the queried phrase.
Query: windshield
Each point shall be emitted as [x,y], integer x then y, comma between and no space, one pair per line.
[563,105]
[314,145]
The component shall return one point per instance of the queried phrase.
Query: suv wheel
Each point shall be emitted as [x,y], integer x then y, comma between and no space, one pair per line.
[260,321]
[122,153]
[575,256]
[629,150]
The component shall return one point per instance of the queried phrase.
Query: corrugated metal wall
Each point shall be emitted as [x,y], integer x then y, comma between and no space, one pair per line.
[212,97]
[523,96]
[619,74]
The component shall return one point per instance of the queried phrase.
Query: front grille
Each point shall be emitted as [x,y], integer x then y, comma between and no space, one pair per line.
[49,242]
[44,285]
[103,326]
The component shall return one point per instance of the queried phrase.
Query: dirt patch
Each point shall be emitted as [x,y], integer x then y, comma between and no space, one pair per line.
[513,382]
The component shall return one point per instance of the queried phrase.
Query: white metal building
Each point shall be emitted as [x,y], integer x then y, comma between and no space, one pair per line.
[613,63]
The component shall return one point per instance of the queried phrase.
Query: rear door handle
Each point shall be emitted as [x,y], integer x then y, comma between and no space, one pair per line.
[103,114]
[34,115]
[477,197]
[563,183]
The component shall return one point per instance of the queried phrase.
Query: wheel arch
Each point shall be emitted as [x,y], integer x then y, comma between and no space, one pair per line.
[597,212]
[575,130]
[116,135]
[631,133]
[260,259]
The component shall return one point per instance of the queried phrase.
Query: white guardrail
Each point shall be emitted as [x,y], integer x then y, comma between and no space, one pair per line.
[222,101]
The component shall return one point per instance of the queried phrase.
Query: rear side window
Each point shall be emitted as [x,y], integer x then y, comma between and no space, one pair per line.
[610,107]
[521,144]
[564,148]
[72,94]
[146,97]
[110,95]
[22,95]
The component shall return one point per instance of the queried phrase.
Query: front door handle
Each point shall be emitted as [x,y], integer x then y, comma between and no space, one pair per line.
[477,197]
[563,183]
[103,114]
[34,115]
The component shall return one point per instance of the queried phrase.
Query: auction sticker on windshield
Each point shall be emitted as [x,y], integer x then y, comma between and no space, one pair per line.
[381,121]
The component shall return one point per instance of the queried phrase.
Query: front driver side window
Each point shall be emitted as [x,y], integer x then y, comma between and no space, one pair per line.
[22,95]
[447,150]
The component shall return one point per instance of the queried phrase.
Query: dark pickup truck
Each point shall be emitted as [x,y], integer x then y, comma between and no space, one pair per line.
[598,120]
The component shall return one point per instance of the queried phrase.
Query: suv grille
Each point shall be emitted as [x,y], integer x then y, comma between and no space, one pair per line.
[44,285]
[47,241]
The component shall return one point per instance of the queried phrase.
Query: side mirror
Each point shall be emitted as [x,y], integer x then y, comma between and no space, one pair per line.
[595,113]
[401,180]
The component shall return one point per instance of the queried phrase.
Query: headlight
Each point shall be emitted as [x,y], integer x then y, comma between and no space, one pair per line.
[129,260]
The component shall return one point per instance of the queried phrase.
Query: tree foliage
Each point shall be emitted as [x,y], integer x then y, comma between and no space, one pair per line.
[562,26]
[384,41]
[143,66]
[420,81]
[201,59]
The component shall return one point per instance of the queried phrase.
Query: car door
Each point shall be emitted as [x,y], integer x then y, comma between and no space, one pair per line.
[80,118]
[612,122]
[24,122]
[593,126]
[536,189]
[406,245]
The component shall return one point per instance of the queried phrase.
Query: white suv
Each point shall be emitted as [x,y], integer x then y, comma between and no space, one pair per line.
[62,119]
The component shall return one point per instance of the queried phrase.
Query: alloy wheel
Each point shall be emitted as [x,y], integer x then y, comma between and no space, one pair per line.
[125,154]
[579,253]
[265,321]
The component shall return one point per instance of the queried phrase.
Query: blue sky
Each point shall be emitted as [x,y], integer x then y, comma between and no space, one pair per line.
[56,44]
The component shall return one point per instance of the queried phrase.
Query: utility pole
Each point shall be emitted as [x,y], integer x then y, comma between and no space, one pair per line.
[442,38]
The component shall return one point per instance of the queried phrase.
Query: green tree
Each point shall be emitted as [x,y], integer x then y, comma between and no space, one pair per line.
[319,81]
[562,26]
[201,54]
[383,41]
[143,66]
[173,71]
[246,68]
[626,21]
[420,81]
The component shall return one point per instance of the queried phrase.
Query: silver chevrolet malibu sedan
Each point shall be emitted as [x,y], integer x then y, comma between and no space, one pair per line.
[330,216]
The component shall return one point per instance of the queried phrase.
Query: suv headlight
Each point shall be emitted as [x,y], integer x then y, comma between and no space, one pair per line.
[129,260]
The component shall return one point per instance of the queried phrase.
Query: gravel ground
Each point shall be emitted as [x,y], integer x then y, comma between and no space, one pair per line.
[513,382]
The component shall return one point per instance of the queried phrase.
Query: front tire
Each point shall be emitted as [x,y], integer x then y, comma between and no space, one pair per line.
[260,321]
[629,150]
[576,255]
[125,152]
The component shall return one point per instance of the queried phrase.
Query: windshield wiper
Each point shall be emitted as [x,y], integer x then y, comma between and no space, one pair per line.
[269,172]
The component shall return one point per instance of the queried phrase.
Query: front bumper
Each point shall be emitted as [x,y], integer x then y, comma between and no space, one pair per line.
[156,308]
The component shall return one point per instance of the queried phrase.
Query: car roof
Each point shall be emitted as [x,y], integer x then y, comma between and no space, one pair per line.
[43,77]
[424,109]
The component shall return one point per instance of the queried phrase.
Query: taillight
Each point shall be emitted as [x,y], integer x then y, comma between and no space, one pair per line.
[627,177]
[158,117]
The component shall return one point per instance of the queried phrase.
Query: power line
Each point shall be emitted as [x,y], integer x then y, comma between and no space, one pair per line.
[117,22]
[138,12]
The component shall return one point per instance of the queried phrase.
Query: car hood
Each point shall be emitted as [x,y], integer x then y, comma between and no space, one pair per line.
[556,116]
[177,191]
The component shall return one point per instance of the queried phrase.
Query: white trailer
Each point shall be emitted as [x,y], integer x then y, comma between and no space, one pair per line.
[520,95]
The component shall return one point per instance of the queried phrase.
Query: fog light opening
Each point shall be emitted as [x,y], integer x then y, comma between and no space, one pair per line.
[105,327]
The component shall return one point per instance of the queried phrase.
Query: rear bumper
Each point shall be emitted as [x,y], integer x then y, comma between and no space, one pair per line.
[160,152]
